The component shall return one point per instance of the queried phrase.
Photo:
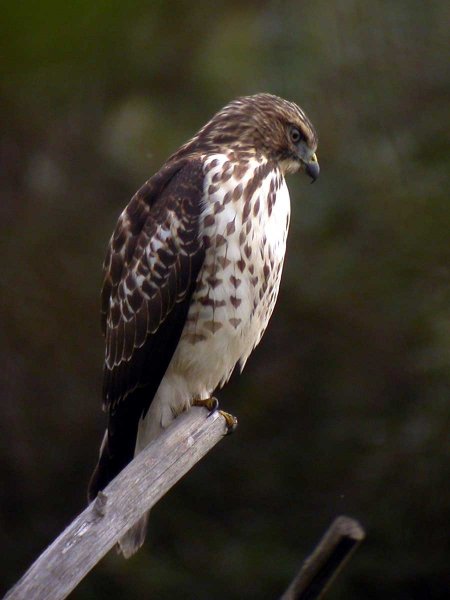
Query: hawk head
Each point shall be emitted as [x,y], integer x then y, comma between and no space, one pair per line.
[264,124]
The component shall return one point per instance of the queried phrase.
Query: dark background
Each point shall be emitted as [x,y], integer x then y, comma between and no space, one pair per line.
[344,406]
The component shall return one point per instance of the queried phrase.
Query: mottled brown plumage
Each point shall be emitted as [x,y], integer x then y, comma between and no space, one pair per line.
[193,270]
[253,123]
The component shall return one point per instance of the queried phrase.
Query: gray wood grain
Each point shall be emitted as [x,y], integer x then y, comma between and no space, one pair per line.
[134,491]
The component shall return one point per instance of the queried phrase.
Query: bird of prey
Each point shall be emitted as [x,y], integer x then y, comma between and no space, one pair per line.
[192,273]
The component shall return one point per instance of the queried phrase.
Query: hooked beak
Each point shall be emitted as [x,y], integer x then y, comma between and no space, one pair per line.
[312,168]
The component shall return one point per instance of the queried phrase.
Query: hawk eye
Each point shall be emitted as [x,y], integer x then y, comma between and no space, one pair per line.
[296,136]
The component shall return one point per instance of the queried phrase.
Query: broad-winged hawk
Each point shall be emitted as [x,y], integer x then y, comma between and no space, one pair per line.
[192,272]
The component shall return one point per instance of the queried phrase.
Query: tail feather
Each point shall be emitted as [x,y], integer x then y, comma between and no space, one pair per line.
[121,442]
[130,543]
[104,472]
[118,446]
[109,465]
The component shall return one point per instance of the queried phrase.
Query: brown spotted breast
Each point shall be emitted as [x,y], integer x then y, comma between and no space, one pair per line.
[244,226]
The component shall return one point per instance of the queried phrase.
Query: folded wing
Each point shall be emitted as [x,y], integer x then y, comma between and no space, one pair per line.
[150,273]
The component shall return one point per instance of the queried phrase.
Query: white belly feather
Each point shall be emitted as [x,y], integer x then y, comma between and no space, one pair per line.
[245,236]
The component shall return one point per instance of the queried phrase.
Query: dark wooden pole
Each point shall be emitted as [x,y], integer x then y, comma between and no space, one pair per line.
[321,567]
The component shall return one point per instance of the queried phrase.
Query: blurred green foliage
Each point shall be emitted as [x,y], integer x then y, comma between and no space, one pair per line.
[344,406]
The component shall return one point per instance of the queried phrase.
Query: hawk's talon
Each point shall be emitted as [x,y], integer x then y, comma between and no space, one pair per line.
[212,404]
[230,421]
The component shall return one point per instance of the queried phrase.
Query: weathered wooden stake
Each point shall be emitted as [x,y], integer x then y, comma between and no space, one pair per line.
[134,491]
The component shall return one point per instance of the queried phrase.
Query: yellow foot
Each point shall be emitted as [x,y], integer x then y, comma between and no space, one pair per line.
[212,404]
[230,420]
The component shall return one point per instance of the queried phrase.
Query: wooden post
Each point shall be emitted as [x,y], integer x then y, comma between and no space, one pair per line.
[321,567]
[134,491]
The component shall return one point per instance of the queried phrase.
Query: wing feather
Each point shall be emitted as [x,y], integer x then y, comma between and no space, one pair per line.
[157,242]
[150,272]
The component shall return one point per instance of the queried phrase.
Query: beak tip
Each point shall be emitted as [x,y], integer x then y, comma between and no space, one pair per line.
[313,170]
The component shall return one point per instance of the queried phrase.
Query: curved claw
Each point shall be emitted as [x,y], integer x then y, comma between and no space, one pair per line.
[212,404]
[230,421]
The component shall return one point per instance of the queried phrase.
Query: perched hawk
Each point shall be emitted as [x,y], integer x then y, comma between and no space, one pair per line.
[192,273]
